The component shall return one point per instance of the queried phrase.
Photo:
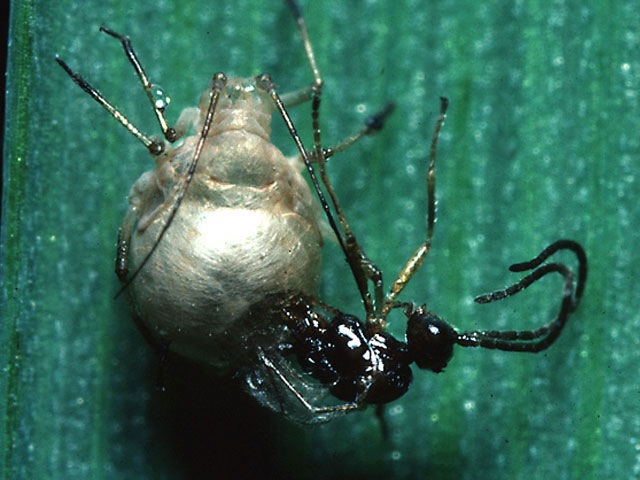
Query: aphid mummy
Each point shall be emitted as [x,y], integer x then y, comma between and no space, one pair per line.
[247,228]
[220,254]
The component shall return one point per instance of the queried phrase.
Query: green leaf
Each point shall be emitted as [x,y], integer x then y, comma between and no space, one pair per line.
[540,143]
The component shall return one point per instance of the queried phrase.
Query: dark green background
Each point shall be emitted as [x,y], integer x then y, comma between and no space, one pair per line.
[541,142]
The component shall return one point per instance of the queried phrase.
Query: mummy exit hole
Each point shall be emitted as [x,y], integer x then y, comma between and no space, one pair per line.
[219,254]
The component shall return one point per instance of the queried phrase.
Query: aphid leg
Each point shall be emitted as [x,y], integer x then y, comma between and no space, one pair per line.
[378,310]
[155,147]
[540,338]
[218,82]
[415,261]
[372,124]
[145,196]
[158,105]
[303,94]
[297,13]
[362,267]
[289,99]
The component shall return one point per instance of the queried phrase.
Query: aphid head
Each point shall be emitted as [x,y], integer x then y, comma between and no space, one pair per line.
[239,94]
[430,340]
[241,106]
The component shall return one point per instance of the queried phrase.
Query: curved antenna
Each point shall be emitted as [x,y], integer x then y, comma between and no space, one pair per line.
[540,338]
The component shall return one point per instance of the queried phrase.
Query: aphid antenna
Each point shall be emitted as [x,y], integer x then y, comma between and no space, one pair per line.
[362,268]
[218,82]
[155,147]
[353,253]
[302,27]
[303,94]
